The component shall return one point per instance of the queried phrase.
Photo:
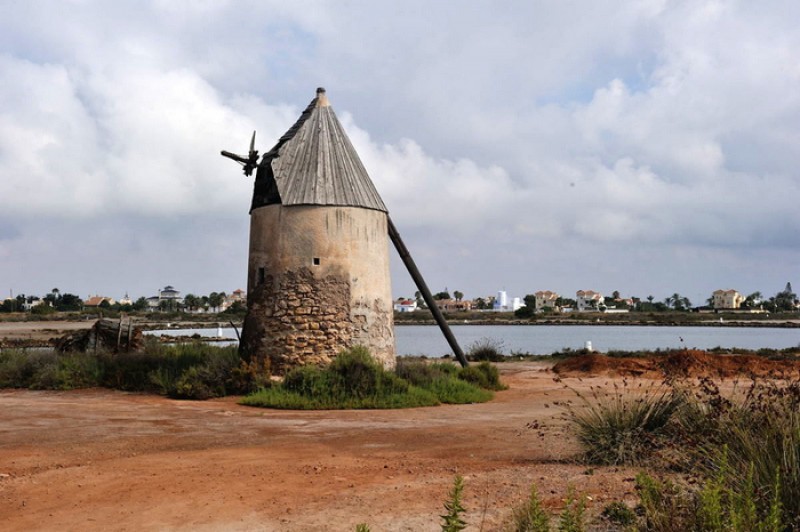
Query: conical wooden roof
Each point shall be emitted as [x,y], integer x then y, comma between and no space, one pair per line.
[314,163]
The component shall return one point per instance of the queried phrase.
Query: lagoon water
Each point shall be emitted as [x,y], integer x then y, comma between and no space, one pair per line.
[546,339]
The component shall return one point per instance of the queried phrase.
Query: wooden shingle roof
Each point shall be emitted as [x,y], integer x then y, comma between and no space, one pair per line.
[314,163]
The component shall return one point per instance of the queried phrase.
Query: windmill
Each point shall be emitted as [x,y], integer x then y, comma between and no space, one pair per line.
[318,269]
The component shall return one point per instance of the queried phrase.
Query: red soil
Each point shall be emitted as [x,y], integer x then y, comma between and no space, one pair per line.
[106,460]
[687,363]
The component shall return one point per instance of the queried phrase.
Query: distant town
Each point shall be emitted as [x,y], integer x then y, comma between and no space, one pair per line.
[547,301]
[169,300]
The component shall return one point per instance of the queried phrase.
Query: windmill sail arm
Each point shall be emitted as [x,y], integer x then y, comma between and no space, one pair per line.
[237,158]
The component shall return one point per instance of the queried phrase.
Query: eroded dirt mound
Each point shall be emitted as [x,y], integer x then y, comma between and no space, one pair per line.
[686,363]
[594,364]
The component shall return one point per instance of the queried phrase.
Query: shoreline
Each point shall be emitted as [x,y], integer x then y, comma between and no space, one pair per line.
[791,324]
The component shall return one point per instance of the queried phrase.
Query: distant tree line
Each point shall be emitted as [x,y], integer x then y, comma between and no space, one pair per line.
[784,301]
[58,301]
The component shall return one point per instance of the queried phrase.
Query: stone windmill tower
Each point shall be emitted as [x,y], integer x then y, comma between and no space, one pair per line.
[318,273]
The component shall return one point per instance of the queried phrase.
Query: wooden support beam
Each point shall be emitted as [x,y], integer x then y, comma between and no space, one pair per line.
[426,294]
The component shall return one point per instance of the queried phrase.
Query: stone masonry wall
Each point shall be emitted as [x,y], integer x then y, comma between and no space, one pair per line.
[298,320]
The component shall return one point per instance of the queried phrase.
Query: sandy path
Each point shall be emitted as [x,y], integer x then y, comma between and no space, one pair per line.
[104,460]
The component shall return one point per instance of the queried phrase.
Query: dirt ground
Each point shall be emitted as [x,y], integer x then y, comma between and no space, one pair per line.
[107,460]
[40,332]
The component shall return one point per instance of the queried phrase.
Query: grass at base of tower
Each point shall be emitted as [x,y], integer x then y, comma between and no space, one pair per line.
[355,380]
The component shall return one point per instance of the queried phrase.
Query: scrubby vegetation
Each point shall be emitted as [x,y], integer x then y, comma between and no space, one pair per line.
[201,371]
[623,426]
[529,516]
[486,349]
[189,371]
[355,380]
[720,461]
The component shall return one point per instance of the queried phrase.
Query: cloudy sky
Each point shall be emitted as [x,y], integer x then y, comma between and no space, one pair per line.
[649,147]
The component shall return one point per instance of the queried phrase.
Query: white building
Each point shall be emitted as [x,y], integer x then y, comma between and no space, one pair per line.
[588,300]
[727,299]
[168,294]
[501,301]
[545,299]
[405,305]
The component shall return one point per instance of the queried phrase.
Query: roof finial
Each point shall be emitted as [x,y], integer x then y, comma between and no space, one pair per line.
[322,98]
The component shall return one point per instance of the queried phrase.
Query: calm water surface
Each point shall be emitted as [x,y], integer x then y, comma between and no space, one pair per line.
[545,339]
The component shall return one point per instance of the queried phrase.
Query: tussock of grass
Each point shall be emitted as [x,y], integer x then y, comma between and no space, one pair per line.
[355,380]
[623,427]
[486,349]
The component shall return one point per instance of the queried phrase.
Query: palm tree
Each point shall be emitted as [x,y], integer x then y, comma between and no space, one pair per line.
[753,299]
[215,300]
[678,302]
[191,302]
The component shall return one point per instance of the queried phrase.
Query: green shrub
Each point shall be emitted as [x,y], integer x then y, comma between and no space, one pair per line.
[357,374]
[199,371]
[48,370]
[487,349]
[137,371]
[42,310]
[423,374]
[247,377]
[663,506]
[618,513]
[484,375]
[18,366]
[572,516]
[454,391]
[530,516]
[194,370]
[195,383]
[452,521]
[68,372]
[308,381]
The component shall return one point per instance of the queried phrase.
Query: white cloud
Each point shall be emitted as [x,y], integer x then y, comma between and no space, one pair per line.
[517,137]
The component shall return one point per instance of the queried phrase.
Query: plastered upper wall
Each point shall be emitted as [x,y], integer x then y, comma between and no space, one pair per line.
[346,244]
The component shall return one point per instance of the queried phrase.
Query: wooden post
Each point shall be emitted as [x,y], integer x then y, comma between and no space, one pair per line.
[426,294]
[119,333]
[130,333]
